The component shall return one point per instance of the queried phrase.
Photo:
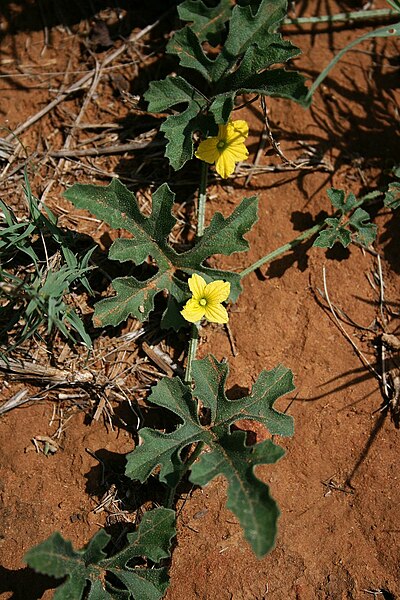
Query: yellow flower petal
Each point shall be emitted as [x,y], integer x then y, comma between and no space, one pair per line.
[197,286]
[216,313]
[225,149]
[217,291]
[237,151]
[208,150]
[192,311]
[222,132]
[225,164]
[238,127]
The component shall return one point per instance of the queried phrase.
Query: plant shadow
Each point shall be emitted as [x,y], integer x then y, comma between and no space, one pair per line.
[18,581]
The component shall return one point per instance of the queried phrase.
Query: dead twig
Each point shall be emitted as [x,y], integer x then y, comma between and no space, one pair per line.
[24,369]
[17,400]
[82,82]
[231,339]
[260,151]
[360,354]
[302,164]
[117,149]
[275,145]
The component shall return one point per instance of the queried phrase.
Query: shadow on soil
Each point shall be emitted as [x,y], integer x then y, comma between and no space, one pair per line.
[298,255]
[18,581]
[22,15]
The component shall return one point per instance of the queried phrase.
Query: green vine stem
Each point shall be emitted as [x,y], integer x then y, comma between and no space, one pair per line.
[201,209]
[359,15]
[194,339]
[171,493]
[301,238]
[191,352]
[201,214]
[285,248]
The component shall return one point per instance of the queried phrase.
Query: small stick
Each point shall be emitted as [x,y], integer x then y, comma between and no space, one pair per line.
[25,369]
[342,329]
[261,146]
[302,164]
[81,82]
[381,291]
[231,339]
[117,149]
[345,316]
[274,144]
[61,164]
[100,407]
[17,400]
[158,360]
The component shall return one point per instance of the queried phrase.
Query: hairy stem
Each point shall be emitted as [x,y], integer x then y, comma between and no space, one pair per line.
[172,491]
[201,210]
[191,353]
[301,238]
[194,338]
[285,248]
[359,15]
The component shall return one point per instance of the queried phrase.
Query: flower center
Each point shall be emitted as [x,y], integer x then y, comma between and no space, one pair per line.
[221,145]
[203,302]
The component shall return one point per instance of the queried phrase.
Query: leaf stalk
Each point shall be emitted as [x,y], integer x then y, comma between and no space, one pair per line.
[359,15]
[172,491]
[191,353]
[201,209]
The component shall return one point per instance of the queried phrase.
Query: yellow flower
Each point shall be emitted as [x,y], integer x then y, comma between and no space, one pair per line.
[206,300]
[226,149]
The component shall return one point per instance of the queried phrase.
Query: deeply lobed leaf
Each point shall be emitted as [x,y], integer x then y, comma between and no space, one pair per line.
[250,47]
[392,196]
[206,22]
[228,453]
[365,232]
[90,566]
[179,128]
[118,207]
[357,228]
[339,200]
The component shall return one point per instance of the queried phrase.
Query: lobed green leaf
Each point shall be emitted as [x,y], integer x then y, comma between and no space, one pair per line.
[228,454]
[392,196]
[206,22]
[116,205]
[90,567]
[365,232]
[357,228]
[339,200]
[250,47]
[334,232]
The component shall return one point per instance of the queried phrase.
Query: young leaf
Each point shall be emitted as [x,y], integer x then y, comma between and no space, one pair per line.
[246,30]
[228,454]
[334,232]
[207,22]
[90,566]
[392,196]
[365,232]
[250,46]
[339,200]
[356,228]
[116,205]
